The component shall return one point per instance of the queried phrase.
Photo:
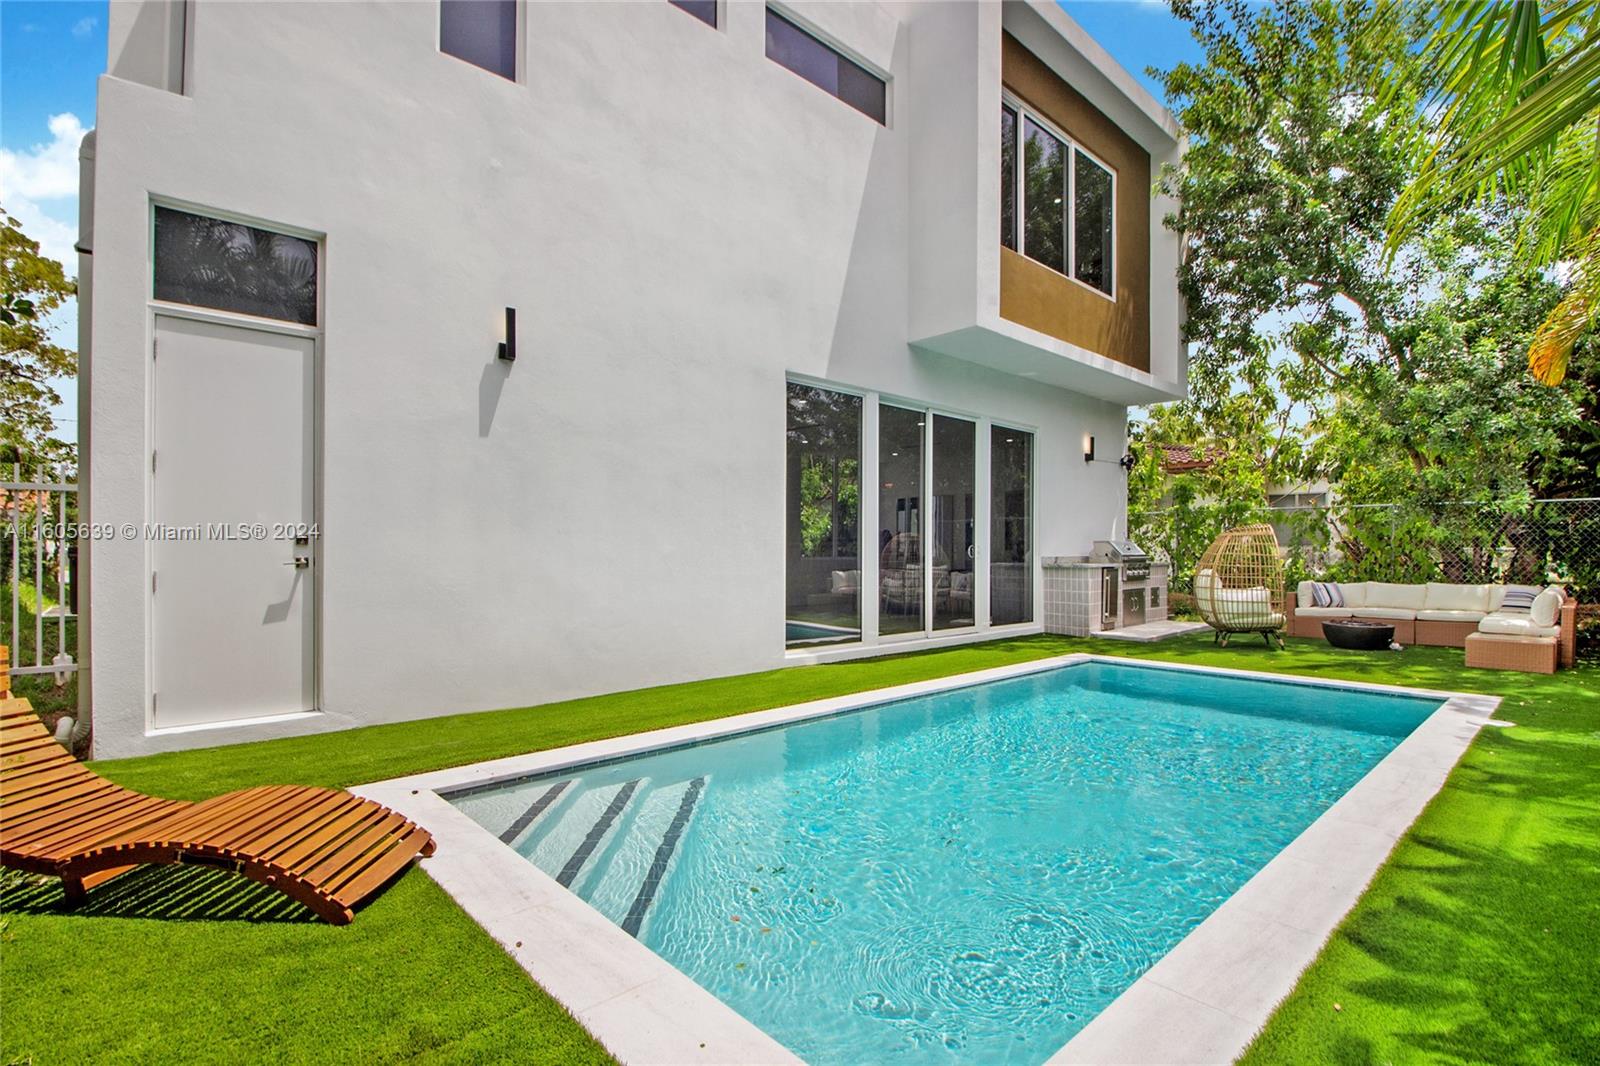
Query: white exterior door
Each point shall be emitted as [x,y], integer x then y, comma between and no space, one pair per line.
[233,543]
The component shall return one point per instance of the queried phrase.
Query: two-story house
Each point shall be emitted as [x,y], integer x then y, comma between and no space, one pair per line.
[444,356]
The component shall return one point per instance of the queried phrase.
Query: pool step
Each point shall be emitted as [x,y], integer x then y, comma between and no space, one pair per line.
[539,806]
[612,845]
[622,878]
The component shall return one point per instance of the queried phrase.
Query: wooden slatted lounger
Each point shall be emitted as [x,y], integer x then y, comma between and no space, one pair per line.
[326,848]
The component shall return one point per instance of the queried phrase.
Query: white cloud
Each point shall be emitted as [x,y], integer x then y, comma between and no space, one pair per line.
[84,26]
[46,171]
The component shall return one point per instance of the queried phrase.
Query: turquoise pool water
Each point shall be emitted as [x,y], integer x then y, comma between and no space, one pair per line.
[964,877]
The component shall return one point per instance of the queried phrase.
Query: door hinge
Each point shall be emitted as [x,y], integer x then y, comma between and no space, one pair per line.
[155,343]
[152,581]
[152,704]
[152,460]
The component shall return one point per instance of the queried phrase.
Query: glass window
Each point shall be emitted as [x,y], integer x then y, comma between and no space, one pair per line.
[900,574]
[954,536]
[1044,164]
[1091,233]
[207,262]
[482,32]
[704,10]
[1010,526]
[1008,178]
[790,46]
[824,516]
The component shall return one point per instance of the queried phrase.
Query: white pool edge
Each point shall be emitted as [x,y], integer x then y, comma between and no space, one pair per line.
[1202,1002]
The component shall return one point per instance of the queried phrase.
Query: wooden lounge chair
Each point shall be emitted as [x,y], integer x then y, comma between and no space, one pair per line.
[326,848]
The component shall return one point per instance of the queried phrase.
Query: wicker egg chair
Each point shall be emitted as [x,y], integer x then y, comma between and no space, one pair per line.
[1238,584]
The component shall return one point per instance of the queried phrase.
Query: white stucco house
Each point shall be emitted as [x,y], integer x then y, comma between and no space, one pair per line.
[820,310]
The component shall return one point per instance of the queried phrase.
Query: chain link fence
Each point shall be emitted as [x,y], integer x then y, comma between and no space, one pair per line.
[1527,542]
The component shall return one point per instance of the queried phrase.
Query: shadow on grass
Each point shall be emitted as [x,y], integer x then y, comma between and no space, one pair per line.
[164,893]
[1482,916]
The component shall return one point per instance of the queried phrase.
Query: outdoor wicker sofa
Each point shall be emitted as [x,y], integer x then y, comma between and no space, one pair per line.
[1439,614]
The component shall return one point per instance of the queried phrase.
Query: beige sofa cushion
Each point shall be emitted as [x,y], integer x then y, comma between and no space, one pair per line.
[1516,625]
[1450,616]
[1441,597]
[1386,613]
[1546,610]
[1399,597]
[1302,595]
[1355,593]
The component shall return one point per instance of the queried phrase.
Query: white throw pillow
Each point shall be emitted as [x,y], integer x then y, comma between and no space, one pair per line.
[1302,595]
[1546,607]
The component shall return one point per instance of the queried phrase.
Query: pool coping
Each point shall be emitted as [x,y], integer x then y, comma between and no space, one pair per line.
[1202,1002]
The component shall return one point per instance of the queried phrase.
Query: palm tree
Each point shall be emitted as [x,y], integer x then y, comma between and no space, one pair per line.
[1518,121]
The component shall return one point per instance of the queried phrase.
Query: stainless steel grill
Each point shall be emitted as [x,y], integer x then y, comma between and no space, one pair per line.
[1127,555]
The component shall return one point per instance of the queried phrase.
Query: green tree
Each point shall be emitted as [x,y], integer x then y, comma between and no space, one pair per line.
[31,287]
[1517,103]
[1300,122]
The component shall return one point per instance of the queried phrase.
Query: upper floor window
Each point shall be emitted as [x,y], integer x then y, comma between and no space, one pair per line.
[790,46]
[1057,201]
[482,32]
[704,10]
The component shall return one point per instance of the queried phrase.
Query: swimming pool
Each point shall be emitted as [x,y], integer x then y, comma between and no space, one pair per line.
[967,875]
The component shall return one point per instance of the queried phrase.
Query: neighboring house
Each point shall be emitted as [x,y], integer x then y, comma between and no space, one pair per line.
[799,291]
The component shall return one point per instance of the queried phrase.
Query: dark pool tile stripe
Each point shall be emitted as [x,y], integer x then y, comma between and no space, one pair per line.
[538,807]
[570,871]
[658,866]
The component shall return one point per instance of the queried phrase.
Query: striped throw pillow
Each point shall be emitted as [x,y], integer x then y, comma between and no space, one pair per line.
[1519,598]
[1328,594]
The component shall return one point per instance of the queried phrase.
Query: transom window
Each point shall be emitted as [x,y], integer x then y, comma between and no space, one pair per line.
[1057,202]
[231,266]
[790,46]
[482,32]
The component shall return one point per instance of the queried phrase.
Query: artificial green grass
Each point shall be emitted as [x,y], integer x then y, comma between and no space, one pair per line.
[1476,943]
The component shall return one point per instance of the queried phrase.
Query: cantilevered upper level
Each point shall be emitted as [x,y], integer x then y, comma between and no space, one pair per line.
[1037,245]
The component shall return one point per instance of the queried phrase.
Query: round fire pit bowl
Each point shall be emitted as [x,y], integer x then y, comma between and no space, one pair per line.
[1357,635]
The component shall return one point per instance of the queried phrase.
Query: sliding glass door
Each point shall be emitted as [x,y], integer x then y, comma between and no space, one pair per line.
[901,580]
[955,547]
[824,518]
[937,551]
[1010,526]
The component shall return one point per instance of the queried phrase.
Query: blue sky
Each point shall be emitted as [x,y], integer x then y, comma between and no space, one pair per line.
[51,53]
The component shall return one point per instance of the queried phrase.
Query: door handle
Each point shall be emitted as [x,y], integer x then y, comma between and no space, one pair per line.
[299,563]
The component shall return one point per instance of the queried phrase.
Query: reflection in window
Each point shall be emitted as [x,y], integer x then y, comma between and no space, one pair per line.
[704,10]
[1044,162]
[1010,526]
[824,517]
[482,32]
[208,262]
[1091,236]
[900,574]
[955,546]
[790,46]
[1008,178]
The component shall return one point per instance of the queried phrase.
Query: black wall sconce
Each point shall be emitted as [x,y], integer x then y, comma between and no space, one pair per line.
[1088,447]
[1128,462]
[508,347]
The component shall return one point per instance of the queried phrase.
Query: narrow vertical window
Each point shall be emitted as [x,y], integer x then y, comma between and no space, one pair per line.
[1008,178]
[794,49]
[704,10]
[824,516]
[482,32]
[1091,220]
[1044,235]
[900,574]
[1010,526]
